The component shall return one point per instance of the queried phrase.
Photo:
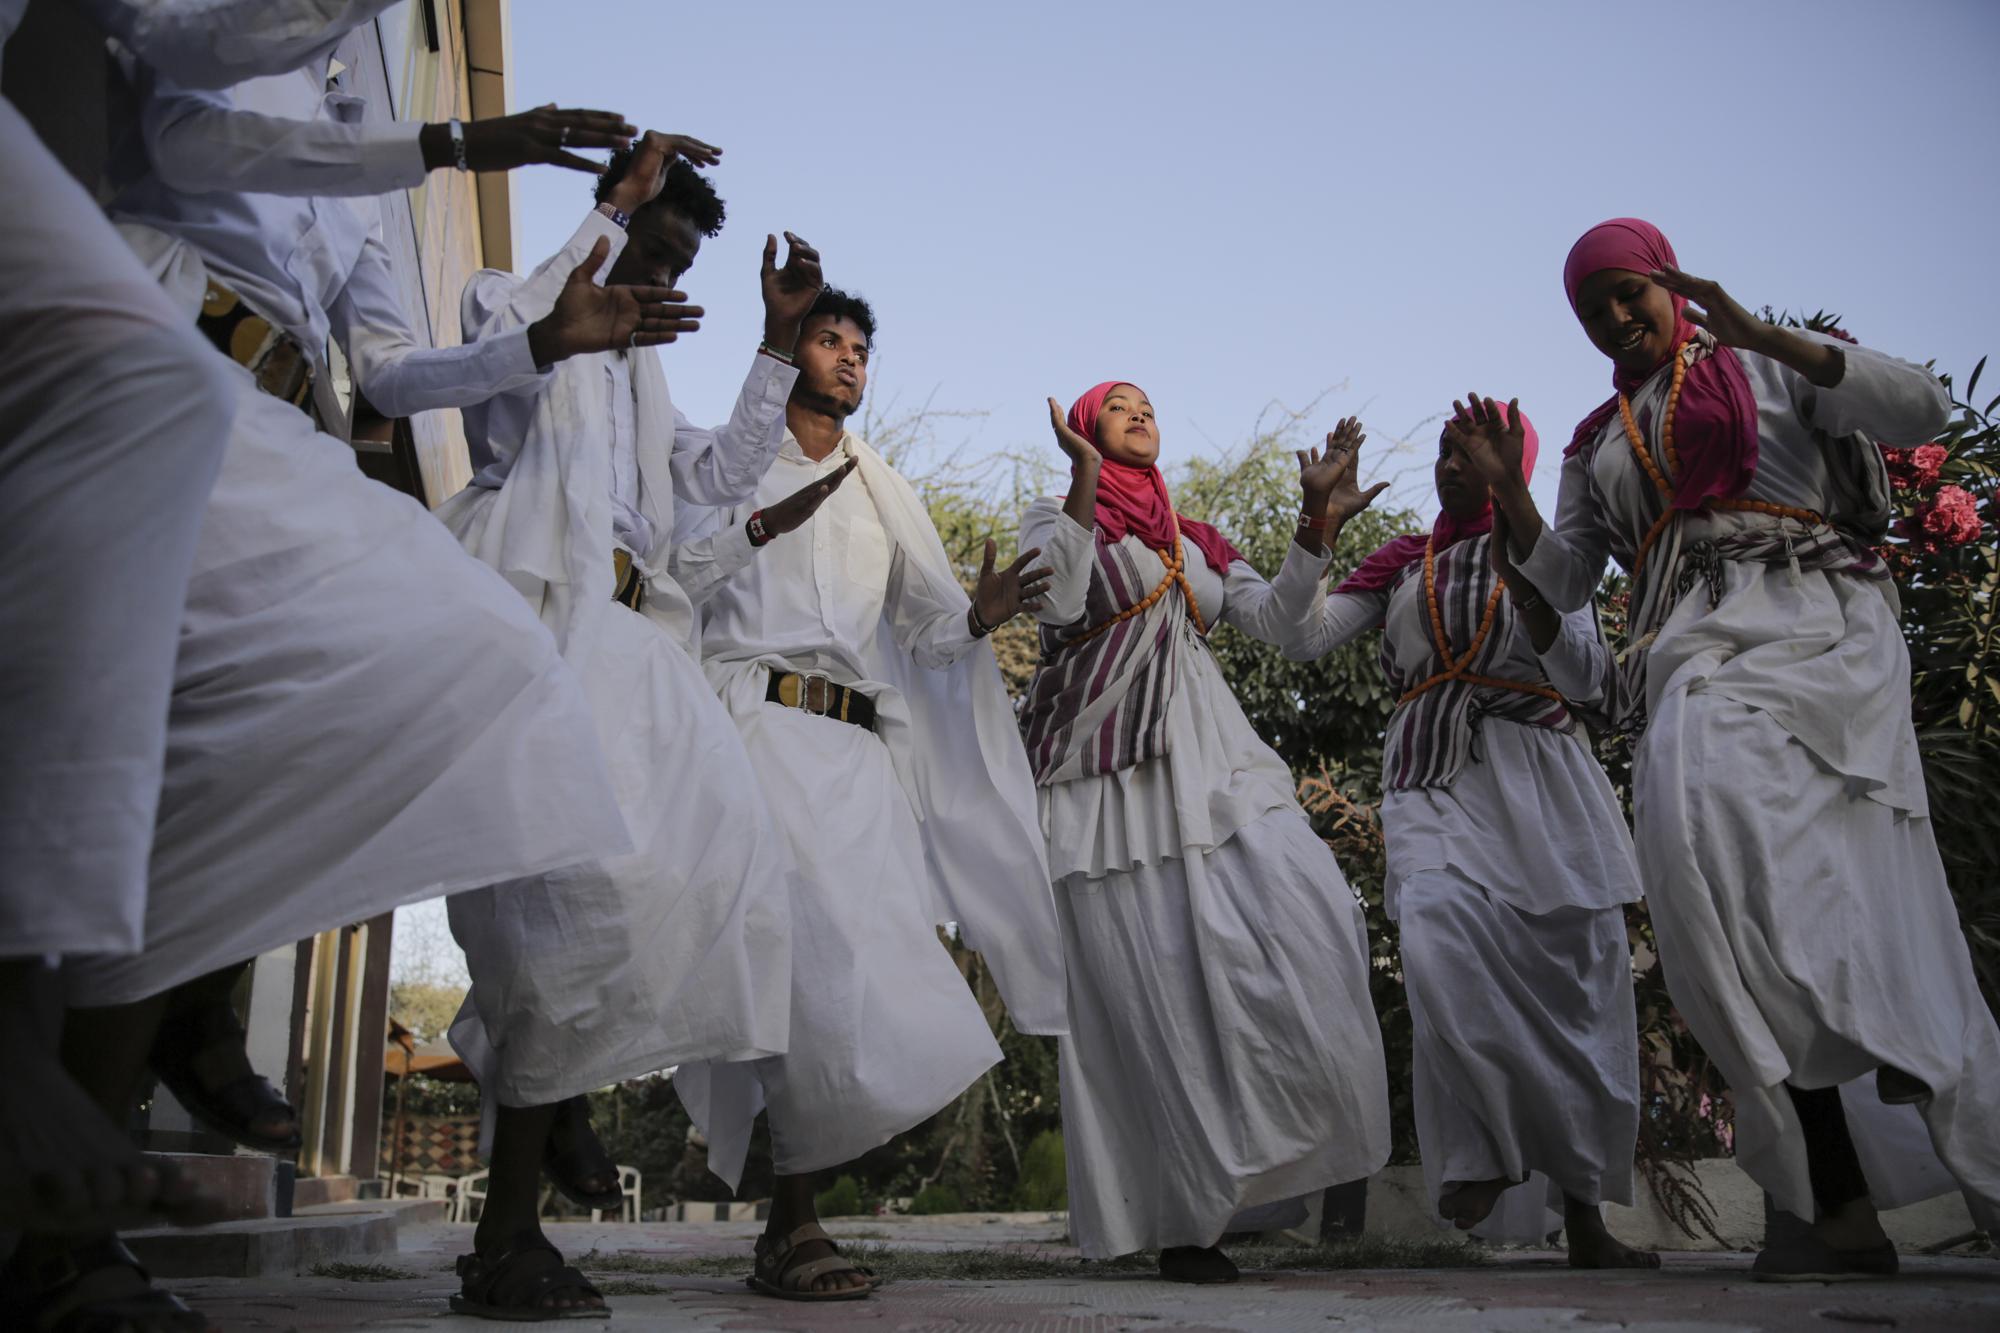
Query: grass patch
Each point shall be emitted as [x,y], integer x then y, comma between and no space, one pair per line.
[1000,1265]
[625,1286]
[344,1272]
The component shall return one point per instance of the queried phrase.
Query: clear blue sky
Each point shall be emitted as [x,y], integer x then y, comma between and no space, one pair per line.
[1235,203]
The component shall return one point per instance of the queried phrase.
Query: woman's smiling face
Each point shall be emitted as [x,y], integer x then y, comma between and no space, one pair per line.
[1628,317]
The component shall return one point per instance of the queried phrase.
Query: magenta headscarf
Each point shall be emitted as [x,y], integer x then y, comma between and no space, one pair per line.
[1134,499]
[1380,569]
[1715,426]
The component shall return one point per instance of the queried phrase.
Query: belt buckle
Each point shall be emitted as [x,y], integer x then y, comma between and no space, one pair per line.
[806,681]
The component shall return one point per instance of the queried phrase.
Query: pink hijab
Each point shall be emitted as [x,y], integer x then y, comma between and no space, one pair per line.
[1715,426]
[1134,499]
[1379,570]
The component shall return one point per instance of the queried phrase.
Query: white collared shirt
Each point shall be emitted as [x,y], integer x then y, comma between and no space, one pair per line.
[815,596]
[313,264]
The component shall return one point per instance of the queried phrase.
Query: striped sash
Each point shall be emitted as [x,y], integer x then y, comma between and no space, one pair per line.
[1098,701]
[1435,728]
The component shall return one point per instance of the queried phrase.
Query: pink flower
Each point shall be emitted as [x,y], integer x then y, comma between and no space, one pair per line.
[1951,517]
[1842,334]
[1915,469]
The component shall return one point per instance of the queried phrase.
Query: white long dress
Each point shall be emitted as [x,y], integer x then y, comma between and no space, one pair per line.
[1507,883]
[679,950]
[885,1032]
[1223,1049]
[1802,912]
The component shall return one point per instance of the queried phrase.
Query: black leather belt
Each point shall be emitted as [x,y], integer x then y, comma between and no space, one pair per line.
[272,356]
[813,693]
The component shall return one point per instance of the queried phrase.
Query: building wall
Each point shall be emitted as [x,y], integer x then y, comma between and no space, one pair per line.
[432,60]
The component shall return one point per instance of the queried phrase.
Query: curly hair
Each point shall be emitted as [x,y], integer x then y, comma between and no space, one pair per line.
[686,191]
[845,305]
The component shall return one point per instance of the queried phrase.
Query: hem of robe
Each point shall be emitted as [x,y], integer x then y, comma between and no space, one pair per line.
[1301,1177]
[1770,1139]
[165,970]
[609,1072]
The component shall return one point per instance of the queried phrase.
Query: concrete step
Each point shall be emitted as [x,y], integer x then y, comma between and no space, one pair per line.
[407,1212]
[241,1182]
[312,1191]
[264,1247]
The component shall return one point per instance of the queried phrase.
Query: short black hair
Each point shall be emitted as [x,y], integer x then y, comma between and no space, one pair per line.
[845,305]
[686,191]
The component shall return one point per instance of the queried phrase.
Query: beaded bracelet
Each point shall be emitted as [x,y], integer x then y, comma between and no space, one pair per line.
[1308,521]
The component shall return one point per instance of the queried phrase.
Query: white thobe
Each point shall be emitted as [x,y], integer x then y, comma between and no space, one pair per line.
[113,417]
[681,949]
[105,378]
[1223,1048]
[884,1031]
[1507,886]
[1802,912]
[316,266]
[214,43]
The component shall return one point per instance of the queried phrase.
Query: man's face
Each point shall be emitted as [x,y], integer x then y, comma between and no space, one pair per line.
[660,248]
[832,357]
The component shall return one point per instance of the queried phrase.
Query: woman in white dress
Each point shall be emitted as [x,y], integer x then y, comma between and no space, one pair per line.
[1509,862]
[1807,931]
[1223,1050]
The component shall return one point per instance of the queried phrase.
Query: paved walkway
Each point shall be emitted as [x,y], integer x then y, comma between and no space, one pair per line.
[655,1278]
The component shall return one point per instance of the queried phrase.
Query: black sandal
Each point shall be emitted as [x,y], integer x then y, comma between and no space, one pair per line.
[233,1109]
[49,1296]
[513,1284]
[574,1154]
[1896,1088]
[1806,1258]
[1198,1265]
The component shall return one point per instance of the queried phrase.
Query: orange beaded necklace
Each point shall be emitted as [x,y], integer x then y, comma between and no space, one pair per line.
[1176,563]
[1663,482]
[1456,667]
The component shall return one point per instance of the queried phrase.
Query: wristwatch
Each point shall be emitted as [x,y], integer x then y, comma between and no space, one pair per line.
[458,144]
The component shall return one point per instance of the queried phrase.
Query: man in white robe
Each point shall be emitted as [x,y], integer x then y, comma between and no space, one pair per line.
[679,951]
[872,708]
[258,186]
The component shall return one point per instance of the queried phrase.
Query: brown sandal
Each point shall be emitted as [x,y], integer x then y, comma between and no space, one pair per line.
[777,1275]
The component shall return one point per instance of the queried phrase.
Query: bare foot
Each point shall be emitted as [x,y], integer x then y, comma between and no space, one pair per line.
[1466,1203]
[1591,1245]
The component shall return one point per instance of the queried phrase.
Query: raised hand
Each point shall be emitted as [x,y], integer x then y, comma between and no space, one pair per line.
[1718,311]
[1082,453]
[1003,594]
[545,134]
[1330,481]
[589,318]
[1489,447]
[792,511]
[789,292]
[648,172]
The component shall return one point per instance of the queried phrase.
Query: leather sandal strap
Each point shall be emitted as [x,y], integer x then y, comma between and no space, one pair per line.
[801,1277]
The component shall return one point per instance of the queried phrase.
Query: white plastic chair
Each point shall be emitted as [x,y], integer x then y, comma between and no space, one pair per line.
[471,1192]
[628,1184]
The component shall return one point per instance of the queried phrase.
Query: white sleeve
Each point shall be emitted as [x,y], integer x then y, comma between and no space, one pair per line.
[200,141]
[399,375]
[1068,551]
[1569,558]
[1893,401]
[724,465]
[709,550]
[935,633]
[496,301]
[1578,663]
[1338,619]
[214,43]
[1280,610]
